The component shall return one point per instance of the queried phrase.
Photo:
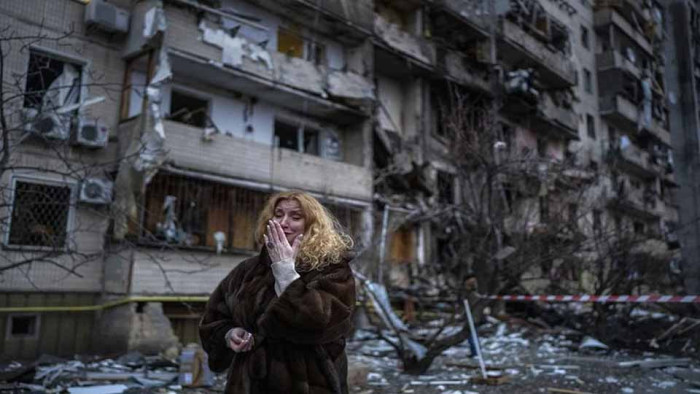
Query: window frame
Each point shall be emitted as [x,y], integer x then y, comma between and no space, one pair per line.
[84,63]
[590,126]
[8,325]
[186,91]
[585,36]
[587,81]
[70,220]
[307,125]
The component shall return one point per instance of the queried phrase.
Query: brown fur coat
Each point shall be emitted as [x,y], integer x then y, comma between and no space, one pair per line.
[299,337]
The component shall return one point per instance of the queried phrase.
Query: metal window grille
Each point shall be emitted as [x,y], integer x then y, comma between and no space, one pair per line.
[40,215]
[203,208]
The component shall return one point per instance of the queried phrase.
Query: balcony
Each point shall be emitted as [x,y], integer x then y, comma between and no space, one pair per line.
[625,115]
[456,15]
[246,160]
[634,160]
[543,117]
[633,202]
[607,17]
[614,60]
[236,64]
[395,43]
[456,68]
[519,47]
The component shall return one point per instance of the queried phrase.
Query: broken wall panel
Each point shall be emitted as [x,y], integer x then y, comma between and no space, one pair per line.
[208,40]
[403,41]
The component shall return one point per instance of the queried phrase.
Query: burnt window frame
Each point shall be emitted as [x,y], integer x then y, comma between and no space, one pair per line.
[70,215]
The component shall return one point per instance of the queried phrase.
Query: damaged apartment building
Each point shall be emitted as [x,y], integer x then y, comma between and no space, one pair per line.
[197,110]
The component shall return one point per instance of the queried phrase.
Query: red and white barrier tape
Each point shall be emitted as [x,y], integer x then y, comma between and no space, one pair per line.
[689,299]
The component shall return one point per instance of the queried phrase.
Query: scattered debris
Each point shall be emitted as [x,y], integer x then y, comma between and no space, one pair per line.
[592,343]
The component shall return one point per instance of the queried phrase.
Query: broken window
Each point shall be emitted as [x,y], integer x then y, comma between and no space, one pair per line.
[22,326]
[291,42]
[597,222]
[639,228]
[136,78]
[590,126]
[188,108]
[51,83]
[195,212]
[587,81]
[287,135]
[446,187]
[40,214]
[584,37]
[301,139]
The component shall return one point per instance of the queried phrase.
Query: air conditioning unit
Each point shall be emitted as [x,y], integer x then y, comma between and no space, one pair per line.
[48,125]
[91,133]
[96,191]
[107,17]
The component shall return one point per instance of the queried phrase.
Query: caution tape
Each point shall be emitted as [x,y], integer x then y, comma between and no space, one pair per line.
[663,299]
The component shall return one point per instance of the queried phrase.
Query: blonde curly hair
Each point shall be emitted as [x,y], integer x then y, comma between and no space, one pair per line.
[324,242]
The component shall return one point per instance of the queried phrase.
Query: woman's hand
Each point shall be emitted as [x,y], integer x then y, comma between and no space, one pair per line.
[278,246]
[239,340]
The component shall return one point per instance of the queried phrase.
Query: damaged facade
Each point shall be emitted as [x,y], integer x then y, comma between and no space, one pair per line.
[221,102]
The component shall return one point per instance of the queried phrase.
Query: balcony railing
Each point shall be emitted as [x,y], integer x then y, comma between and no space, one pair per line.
[253,161]
[608,16]
[615,60]
[404,42]
[555,68]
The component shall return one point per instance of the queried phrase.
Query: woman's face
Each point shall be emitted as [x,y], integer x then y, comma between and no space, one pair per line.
[290,216]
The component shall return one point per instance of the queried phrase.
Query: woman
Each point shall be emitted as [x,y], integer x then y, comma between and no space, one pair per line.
[278,321]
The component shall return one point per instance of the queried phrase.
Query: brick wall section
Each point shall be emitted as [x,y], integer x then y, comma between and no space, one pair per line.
[229,156]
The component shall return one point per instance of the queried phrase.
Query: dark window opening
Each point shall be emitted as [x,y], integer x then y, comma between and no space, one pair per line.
[639,228]
[597,222]
[587,81]
[590,126]
[446,187]
[311,142]
[188,109]
[584,37]
[140,306]
[23,326]
[544,210]
[39,215]
[287,135]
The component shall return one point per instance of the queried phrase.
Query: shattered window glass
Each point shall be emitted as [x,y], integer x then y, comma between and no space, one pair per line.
[188,109]
[51,83]
[40,215]
[287,135]
[311,142]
